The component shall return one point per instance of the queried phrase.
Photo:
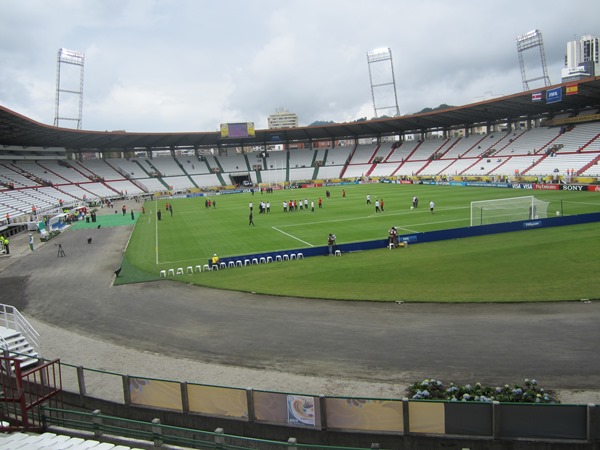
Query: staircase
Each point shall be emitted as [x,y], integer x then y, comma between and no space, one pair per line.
[18,339]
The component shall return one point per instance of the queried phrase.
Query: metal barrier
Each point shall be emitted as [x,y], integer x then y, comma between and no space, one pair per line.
[22,393]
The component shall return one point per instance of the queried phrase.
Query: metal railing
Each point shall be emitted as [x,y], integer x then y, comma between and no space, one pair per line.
[10,317]
[118,428]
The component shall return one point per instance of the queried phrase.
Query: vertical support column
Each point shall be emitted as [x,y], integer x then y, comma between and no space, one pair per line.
[405,417]
[219,438]
[81,380]
[250,403]
[495,419]
[592,412]
[126,391]
[323,409]
[185,401]
[97,422]
[157,433]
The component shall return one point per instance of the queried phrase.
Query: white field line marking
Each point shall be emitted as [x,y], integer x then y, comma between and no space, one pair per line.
[293,237]
[407,229]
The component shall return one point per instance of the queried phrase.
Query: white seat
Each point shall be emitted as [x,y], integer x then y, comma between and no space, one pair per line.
[163,273]
[246,262]
[231,264]
[286,257]
[391,246]
[278,258]
[199,268]
[190,269]
[206,267]
[254,260]
[292,256]
[338,253]
[300,256]
[238,263]
[263,260]
[222,265]
[269,259]
[180,271]
[172,272]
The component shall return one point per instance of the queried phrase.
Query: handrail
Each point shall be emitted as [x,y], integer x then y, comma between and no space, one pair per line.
[10,317]
[100,424]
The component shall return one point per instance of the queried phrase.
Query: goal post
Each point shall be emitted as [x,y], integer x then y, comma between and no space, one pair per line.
[513,209]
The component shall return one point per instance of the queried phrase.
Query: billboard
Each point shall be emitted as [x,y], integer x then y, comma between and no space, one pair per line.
[554,95]
[240,130]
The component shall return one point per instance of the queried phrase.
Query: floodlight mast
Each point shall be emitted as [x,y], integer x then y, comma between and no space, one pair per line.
[528,41]
[76,59]
[377,56]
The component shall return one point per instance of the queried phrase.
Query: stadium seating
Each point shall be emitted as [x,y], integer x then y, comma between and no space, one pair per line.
[45,182]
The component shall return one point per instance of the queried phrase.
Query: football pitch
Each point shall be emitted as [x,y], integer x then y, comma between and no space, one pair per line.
[519,266]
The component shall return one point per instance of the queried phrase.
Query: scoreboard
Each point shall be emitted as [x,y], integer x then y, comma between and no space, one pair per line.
[237,130]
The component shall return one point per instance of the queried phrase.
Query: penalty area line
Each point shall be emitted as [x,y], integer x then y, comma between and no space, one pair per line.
[293,237]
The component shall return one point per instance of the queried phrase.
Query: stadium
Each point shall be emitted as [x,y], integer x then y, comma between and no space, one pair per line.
[108,266]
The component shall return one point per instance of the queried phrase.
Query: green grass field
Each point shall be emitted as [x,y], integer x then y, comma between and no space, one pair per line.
[534,265]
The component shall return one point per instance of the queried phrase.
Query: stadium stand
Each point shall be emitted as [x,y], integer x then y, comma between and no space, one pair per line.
[538,152]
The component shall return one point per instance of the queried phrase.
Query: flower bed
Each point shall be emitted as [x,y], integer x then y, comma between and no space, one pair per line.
[432,389]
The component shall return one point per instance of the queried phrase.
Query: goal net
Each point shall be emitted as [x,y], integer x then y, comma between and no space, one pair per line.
[486,212]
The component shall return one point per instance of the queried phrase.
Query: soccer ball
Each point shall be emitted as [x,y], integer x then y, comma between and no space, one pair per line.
[412,207]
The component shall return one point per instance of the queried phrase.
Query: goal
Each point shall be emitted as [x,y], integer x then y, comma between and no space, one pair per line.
[486,212]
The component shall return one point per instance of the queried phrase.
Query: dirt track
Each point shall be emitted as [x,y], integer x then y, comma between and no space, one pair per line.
[286,344]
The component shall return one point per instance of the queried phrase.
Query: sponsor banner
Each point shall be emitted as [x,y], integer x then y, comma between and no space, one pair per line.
[301,410]
[457,183]
[534,224]
[522,186]
[484,184]
[406,182]
[536,97]
[593,188]
[573,187]
[554,95]
[572,90]
[546,187]
[409,239]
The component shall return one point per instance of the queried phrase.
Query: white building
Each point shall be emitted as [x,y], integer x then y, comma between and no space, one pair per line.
[283,119]
[581,60]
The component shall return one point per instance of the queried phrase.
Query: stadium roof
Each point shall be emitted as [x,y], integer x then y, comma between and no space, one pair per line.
[19,131]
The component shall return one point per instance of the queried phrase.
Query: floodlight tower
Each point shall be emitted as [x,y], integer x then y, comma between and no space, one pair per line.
[531,41]
[73,58]
[384,80]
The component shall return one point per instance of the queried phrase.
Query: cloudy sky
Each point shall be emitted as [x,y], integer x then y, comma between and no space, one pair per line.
[189,65]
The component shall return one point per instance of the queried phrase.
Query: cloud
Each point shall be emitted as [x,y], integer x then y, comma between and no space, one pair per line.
[186,65]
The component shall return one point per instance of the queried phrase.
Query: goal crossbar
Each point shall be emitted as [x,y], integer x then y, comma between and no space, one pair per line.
[484,212]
